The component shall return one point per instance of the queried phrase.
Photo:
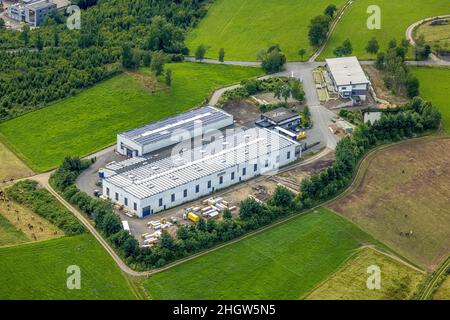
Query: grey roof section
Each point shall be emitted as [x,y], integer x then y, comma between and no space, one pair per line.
[159,176]
[346,71]
[280,115]
[41,5]
[164,129]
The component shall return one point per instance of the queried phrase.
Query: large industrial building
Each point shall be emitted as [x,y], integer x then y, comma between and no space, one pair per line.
[348,77]
[170,131]
[144,187]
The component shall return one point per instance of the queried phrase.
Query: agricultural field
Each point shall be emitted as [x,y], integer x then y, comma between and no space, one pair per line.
[443,292]
[435,35]
[89,121]
[38,271]
[9,234]
[11,167]
[398,281]
[291,260]
[396,17]
[33,226]
[242,28]
[401,198]
[434,87]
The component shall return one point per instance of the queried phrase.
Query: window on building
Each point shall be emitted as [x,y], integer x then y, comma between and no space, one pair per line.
[267,163]
[197,188]
[244,171]
[161,202]
[209,184]
[125,200]
[255,167]
[107,192]
[221,180]
[288,155]
[117,196]
[232,176]
[135,206]
[173,197]
[185,193]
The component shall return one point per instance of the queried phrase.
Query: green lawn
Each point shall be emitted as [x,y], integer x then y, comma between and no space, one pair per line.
[243,27]
[90,121]
[38,271]
[398,281]
[396,17]
[284,262]
[435,87]
[9,234]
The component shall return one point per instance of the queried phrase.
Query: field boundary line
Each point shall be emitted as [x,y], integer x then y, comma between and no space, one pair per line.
[433,282]
[337,18]
[409,33]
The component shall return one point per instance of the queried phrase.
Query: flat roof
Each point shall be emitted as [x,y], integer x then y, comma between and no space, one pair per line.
[40,5]
[346,71]
[165,128]
[148,179]
[280,114]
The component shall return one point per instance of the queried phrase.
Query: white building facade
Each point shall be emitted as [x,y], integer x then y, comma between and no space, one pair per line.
[147,188]
[170,131]
[348,77]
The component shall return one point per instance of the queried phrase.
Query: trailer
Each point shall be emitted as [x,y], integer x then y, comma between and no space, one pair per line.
[193,217]
[126,226]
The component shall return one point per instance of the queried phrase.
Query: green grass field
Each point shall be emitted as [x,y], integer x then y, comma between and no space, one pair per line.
[9,234]
[242,28]
[443,292]
[398,281]
[91,120]
[38,271]
[284,262]
[435,86]
[396,17]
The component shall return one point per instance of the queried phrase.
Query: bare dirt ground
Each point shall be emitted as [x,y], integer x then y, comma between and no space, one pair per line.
[245,112]
[376,77]
[402,198]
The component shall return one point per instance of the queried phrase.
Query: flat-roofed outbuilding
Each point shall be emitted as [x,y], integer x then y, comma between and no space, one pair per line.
[348,77]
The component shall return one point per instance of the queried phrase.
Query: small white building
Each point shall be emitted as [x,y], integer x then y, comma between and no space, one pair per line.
[348,77]
[145,187]
[173,130]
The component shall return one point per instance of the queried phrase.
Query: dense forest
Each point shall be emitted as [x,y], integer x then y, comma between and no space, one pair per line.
[49,63]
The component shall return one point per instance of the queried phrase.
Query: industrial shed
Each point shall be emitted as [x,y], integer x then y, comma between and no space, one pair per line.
[170,131]
[147,187]
[280,117]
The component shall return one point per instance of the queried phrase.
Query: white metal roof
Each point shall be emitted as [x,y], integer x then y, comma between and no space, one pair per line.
[143,181]
[346,71]
[165,128]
